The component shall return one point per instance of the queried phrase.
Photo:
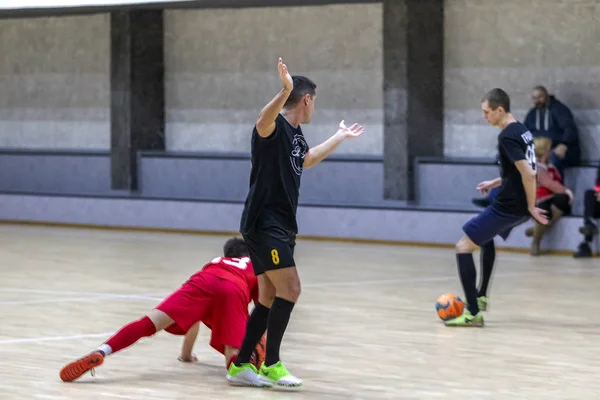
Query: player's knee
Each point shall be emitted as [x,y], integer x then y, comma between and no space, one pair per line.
[286,283]
[291,291]
[464,245]
[159,319]
[295,289]
[266,291]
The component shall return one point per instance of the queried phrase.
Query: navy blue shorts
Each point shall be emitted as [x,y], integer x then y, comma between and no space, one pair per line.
[491,222]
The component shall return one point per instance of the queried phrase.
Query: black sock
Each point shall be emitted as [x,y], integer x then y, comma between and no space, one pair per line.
[488,258]
[255,329]
[468,276]
[278,321]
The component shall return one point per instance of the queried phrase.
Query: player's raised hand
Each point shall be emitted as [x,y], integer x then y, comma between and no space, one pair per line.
[351,132]
[539,215]
[286,78]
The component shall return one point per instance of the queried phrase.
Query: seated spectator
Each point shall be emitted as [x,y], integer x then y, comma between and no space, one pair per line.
[551,195]
[591,211]
[552,119]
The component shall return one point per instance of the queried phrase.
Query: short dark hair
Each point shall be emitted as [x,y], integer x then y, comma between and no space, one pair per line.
[235,248]
[497,98]
[302,87]
[541,89]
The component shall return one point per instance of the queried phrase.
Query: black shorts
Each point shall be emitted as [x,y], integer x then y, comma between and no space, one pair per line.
[491,222]
[270,249]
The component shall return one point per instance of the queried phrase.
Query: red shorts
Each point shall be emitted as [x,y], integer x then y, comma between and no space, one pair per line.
[216,302]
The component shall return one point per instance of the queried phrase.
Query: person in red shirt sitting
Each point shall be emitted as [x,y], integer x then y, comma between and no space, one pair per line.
[551,195]
[218,296]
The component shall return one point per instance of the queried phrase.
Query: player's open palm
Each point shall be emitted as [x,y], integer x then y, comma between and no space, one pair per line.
[539,215]
[351,132]
[285,76]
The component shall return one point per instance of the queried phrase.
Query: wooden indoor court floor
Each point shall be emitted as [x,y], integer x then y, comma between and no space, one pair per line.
[365,326]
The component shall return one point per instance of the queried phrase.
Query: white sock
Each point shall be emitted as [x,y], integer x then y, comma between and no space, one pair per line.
[106,349]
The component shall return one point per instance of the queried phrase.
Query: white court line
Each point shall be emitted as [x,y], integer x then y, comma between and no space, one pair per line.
[437,279]
[306,285]
[405,280]
[144,297]
[153,297]
[66,293]
[89,298]
[50,301]
[314,285]
[54,338]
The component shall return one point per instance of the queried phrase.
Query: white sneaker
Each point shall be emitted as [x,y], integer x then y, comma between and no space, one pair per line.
[245,375]
[278,375]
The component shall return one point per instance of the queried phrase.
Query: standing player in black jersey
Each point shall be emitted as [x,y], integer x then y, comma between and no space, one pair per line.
[514,204]
[268,223]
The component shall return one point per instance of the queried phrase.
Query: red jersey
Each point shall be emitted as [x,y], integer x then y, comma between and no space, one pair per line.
[547,187]
[236,270]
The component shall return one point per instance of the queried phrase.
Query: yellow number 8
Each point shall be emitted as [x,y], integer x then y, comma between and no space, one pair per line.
[275,256]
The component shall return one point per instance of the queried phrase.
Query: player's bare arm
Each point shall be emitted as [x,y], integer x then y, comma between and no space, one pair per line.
[485,186]
[319,153]
[188,344]
[528,177]
[265,125]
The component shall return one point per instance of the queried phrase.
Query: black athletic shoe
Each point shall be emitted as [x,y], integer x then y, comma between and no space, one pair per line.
[588,230]
[482,202]
[583,251]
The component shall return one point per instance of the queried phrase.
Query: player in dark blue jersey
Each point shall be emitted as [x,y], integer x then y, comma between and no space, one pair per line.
[514,204]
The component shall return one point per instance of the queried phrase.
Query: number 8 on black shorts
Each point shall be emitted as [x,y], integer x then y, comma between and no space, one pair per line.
[268,252]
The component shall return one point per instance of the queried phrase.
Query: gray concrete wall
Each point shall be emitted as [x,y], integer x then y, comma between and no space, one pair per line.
[221,69]
[54,82]
[516,44]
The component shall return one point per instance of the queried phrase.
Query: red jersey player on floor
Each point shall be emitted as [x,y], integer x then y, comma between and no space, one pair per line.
[218,296]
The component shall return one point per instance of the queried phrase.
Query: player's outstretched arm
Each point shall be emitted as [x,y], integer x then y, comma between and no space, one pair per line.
[188,344]
[265,125]
[319,153]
